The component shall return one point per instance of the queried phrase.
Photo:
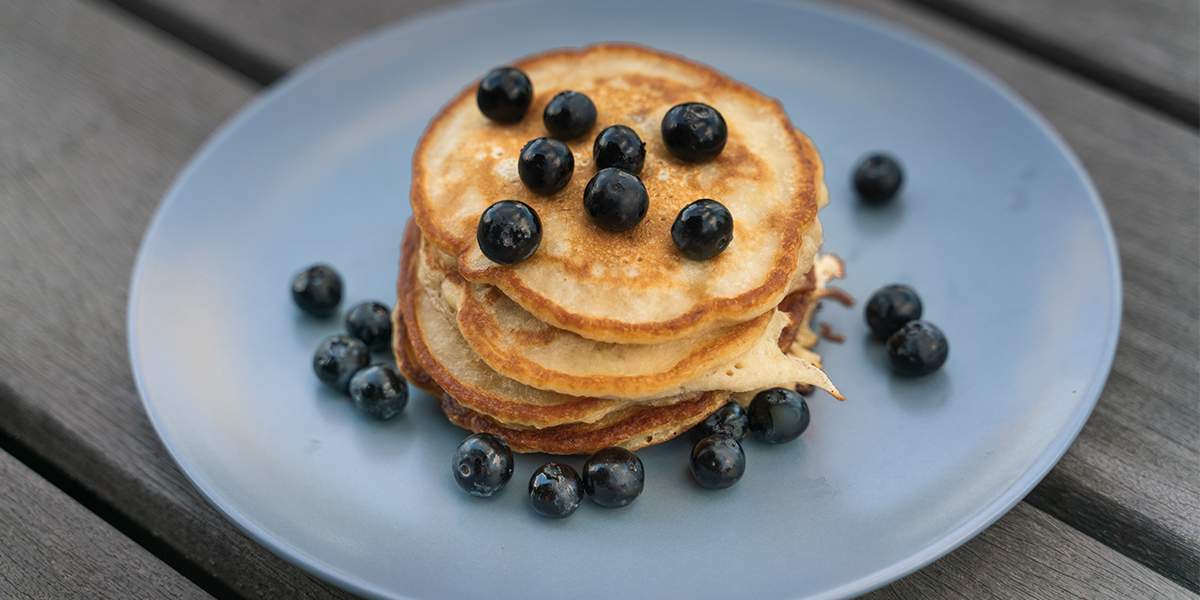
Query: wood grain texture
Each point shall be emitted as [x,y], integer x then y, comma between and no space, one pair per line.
[99,116]
[1130,478]
[1150,48]
[51,547]
[100,113]
[1046,558]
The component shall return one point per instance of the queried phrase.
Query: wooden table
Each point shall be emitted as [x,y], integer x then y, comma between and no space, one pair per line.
[103,101]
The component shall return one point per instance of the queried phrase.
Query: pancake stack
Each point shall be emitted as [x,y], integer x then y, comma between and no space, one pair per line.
[600,338]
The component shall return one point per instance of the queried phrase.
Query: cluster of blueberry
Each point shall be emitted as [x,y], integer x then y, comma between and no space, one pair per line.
[612,477]
[615,198]
[775,416]
[341,360]
[915,347]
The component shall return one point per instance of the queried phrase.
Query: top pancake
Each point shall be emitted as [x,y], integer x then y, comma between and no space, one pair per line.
[632,287]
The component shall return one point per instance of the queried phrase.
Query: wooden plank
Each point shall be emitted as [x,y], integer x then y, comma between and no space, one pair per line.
[50,546]
[100,113]
[1031,544]
[1150,49]
[1129,480]
[1146,47]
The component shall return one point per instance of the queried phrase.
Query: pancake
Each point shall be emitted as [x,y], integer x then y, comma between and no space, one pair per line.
[632,430]
[432,349]
[445,356]
[512,342]
[631,287]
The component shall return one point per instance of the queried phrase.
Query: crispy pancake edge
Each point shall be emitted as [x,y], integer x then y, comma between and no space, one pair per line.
[711,314]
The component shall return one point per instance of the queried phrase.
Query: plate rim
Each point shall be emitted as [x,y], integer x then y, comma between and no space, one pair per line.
[297,77]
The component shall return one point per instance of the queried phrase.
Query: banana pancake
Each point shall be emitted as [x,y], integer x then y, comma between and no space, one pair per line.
[632,430]
[632,287]
[445,356]
[432,353]
[511,341]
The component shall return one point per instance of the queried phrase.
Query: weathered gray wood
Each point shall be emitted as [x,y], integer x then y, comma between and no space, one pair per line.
[1130,479]
[50,546]
[99,114]
[1152,41]
[1045,559]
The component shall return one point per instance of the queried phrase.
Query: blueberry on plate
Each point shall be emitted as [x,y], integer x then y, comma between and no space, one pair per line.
[509,232]
[338,358]
[619,147]
[317,290]
[616,200]
[918,348]
[718,462]
[702,229]
[694,132]
[890,308]
[878,178]
[613,477]
[371,322]
[379,391]
[569,115]
[545,165]
[730,420]
[555,490]
[504,94]
[483,464]
[778,415]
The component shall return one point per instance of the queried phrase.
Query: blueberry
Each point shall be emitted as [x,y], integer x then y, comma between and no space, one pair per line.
[379,391]
[317,290]
[702,229]
[371,322]
[918,348]
[545,165]
[338,358]
[718,462]
[778,415]
[694,132]
[509,232]
[555,490]
[890,308]
[878,178]
[483,464]
[729,420]
[613,477]
[616,200]
[569,115]
[504,94]
[620,147]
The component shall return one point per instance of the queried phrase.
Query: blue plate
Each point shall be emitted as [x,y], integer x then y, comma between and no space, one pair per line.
[998,227]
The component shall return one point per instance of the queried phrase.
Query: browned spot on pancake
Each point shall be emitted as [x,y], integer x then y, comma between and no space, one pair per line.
[629,430]
[840,295]
[738,162]
[828,333]
[406,359]
[796,306]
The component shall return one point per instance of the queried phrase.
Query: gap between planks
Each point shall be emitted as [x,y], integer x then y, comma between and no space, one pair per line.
[120,521]
[220,48]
